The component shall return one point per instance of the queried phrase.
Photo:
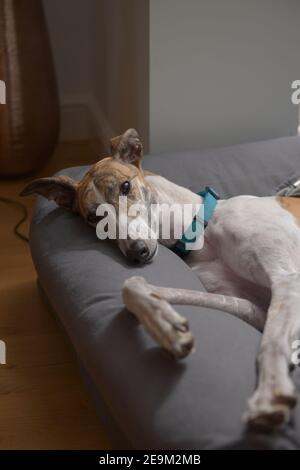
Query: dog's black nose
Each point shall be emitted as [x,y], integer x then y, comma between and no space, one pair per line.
[139,251]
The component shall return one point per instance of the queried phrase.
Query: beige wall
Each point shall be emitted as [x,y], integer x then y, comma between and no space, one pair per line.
[122,73]
[221,71]
[72,25]
[213,72]
[101,55]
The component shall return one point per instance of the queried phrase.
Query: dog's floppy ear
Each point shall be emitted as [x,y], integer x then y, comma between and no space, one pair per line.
[127,147]
[61,189]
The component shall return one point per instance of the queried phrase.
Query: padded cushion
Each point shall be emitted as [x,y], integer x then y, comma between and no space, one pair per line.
[157,402]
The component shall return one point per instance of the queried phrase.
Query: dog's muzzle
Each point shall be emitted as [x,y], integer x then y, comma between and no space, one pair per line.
[140,252]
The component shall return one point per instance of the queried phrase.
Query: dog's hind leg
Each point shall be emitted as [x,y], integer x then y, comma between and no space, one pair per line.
[275,396]
[152,306]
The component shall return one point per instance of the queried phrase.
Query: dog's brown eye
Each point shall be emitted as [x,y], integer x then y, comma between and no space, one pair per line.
[125,188]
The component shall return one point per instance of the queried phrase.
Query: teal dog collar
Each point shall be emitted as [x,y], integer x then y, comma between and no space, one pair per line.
[210,200]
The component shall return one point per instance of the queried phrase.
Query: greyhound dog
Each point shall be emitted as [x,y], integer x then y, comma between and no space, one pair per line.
[249,265]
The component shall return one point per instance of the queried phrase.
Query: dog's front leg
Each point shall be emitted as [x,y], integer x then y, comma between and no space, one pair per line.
[169,329]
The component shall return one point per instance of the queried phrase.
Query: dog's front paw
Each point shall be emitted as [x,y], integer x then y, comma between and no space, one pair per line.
[169,329]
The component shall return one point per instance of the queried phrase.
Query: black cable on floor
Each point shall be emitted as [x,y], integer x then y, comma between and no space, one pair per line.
[22,219]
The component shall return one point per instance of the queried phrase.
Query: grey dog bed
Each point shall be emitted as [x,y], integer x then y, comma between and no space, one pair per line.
[152,400]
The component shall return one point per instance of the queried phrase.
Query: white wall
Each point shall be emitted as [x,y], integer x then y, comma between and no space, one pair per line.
[221,71]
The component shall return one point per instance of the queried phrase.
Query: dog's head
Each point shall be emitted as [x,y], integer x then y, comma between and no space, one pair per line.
[120,174]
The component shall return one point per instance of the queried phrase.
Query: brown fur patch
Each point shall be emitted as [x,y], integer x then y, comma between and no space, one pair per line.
[291,204]
[107,175]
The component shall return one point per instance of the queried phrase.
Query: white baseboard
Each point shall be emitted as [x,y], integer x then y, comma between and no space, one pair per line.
[82,118]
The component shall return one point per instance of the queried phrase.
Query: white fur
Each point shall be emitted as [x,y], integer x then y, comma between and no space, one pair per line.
[251,252]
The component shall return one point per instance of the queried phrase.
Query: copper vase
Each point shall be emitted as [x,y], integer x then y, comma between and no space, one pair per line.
[29,121]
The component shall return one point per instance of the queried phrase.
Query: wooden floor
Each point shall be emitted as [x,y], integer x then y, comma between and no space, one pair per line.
[43,404]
